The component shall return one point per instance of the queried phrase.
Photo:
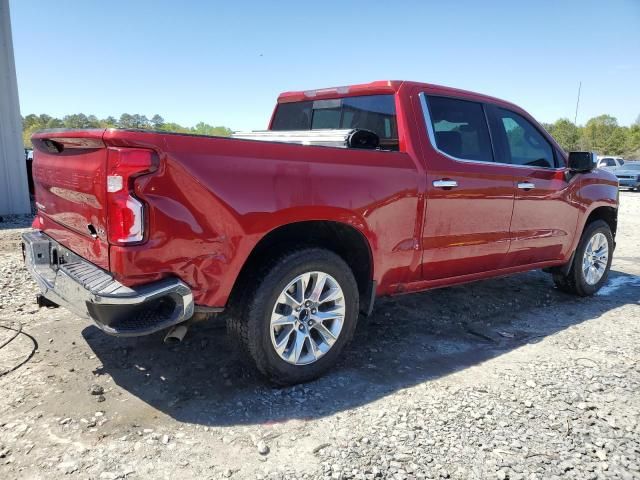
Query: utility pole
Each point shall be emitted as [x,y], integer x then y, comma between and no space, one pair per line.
[14,190]
[575,119]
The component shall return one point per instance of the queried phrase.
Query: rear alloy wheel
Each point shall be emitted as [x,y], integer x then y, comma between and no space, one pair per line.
[298,317]
[307,318]
[591,262]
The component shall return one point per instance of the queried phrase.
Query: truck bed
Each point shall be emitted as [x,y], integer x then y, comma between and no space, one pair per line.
[212,199]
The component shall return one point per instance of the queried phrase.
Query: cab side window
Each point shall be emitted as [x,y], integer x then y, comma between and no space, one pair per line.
[460,128]
[525,145]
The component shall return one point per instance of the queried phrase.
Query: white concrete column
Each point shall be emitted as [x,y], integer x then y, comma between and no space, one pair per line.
[14,190]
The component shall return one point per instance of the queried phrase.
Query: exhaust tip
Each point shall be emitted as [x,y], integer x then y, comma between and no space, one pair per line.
[176,334]
[44,302]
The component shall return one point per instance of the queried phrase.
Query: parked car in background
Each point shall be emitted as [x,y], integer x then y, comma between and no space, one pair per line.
[609,163]
[629,175]
[138,230]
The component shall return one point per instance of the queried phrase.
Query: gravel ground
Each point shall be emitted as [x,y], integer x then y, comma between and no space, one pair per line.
[506,378]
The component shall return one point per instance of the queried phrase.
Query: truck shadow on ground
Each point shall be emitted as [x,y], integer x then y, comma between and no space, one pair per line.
[408,340]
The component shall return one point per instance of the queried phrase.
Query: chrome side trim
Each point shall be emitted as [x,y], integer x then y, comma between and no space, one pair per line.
[445,183]
[432,140]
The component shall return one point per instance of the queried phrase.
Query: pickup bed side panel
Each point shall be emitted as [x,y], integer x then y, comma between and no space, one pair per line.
[213,199]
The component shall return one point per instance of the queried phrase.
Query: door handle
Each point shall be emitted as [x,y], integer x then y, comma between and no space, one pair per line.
[526,185]
[445,183]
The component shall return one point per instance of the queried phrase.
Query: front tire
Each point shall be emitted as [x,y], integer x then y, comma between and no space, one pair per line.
[298,315]
[591,263]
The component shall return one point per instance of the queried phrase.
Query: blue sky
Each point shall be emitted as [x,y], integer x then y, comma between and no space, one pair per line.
[224,63]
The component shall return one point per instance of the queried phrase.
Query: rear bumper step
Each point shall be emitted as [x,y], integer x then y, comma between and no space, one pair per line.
[90,292]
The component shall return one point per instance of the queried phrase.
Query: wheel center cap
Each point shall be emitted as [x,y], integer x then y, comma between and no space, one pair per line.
[304,315]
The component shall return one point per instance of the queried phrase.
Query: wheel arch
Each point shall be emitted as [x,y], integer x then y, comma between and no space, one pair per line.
[344,239]
[606,213]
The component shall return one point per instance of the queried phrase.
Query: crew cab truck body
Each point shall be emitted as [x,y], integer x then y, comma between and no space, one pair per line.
[138,230]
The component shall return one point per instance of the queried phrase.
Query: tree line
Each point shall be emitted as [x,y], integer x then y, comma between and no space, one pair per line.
[601,134]
[32,123]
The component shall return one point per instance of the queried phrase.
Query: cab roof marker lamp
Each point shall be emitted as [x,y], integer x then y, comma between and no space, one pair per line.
[339,90]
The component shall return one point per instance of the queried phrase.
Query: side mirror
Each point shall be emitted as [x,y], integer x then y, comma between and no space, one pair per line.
[582,161]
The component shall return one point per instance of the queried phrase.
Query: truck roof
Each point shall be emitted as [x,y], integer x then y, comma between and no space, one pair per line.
[381,87]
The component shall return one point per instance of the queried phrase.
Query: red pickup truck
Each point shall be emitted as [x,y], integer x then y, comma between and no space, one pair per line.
[140,230]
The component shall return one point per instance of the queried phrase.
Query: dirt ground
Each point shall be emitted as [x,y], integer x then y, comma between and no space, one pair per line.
[507,378]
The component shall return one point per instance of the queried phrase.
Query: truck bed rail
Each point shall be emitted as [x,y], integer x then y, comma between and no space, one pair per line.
[347,138]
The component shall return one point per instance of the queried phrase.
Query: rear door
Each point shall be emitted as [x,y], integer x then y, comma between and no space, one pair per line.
[544,215]
[470,197]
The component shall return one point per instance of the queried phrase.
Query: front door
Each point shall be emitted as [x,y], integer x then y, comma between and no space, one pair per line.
[544,215]
[470,197]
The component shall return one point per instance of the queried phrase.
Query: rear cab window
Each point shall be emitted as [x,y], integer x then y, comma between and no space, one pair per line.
[370,112]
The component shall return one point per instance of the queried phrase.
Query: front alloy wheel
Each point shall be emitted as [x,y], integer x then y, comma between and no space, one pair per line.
[595,258]
[591,262]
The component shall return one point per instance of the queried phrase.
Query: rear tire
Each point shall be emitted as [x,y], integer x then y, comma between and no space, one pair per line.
[292,346]
[591,263]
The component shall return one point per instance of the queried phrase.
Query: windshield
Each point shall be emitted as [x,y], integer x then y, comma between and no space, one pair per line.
[371,112]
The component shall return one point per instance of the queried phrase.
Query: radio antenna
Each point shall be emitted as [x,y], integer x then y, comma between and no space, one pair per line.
[575,119]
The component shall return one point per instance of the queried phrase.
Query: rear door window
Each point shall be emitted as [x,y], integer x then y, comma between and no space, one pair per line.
[460,128]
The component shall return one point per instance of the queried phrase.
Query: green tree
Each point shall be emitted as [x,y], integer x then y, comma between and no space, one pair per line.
[566,133]
[633,142]
[109,122]
[32,123]
[26,135]
[202,128]
[79,120]
[174,127]
[601,134]
[140,121]
[30,120]
[157,122]
[125,121]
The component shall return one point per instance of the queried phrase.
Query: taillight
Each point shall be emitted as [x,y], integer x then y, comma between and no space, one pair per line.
[125,212]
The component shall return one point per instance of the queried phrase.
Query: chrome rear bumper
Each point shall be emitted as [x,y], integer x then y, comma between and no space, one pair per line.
[90,292]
